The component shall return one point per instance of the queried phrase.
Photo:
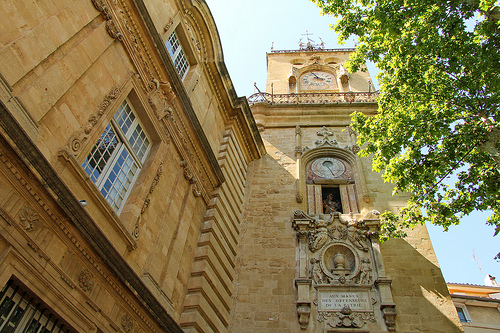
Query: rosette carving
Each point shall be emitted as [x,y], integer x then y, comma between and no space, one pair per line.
[86,280]
[28,218]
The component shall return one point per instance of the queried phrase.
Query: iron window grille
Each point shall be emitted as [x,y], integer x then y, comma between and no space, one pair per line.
[23,312]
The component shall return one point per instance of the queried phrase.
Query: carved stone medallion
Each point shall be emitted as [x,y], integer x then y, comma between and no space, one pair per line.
[86,280]
[28,218]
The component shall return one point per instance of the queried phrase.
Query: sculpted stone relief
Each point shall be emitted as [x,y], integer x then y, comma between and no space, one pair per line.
[338,282]
[344,247]
[28,218]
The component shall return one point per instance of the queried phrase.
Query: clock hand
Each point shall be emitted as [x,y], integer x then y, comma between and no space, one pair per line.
[328,167]
[316,76]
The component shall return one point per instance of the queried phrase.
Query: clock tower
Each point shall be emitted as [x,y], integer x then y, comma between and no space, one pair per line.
[310,259]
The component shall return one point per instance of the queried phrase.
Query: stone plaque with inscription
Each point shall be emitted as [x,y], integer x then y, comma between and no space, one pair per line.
[337,300]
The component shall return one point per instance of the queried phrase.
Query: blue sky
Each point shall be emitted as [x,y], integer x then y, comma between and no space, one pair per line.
[248,29]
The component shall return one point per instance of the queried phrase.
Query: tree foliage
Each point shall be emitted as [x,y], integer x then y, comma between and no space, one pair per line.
[438,105]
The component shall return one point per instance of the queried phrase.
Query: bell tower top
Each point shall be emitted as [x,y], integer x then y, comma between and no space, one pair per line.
[313,69]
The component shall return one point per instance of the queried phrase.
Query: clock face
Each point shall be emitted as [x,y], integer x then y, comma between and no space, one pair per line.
[328,167]
[317,80]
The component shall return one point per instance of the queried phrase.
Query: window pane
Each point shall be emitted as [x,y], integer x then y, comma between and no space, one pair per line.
[120,179]
[177,54]
[5,309]
[96,161]
[461,315]
[172,44]
[14,318]
[124,117]
[181,64]
[139,142]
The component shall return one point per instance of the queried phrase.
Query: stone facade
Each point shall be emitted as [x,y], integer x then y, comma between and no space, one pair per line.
[122,174]
[138,193]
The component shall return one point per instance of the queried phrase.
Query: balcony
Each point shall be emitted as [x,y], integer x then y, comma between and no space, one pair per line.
[313,98]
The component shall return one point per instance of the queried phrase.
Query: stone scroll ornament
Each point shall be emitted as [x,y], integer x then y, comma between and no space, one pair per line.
[76,141]
[339,257]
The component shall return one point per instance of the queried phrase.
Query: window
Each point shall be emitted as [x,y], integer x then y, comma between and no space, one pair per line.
[21,311]
[177,54]
[114,162]
[463,315]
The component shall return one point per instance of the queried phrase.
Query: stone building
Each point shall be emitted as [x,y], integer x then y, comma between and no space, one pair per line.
[138,193]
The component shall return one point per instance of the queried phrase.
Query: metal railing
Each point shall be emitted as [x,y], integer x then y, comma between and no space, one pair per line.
[315,50]
[314,98]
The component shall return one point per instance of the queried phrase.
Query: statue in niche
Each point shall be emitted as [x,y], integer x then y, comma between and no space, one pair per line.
[316,273]
[330,205]
[366,270]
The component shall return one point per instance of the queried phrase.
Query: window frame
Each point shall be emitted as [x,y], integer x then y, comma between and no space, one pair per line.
[463,307]
[178,55]
[110,175]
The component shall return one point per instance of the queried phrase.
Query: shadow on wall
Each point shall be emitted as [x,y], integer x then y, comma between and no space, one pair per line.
[414,282]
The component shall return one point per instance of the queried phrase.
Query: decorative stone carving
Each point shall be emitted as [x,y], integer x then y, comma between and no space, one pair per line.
[76,141]
[316,273]
[196,188]
[338,232]
[86,280]
[192,36]
[188,174]
[326,140]
[147,201]
[169,24]
[343,75]
[303,312]
[128,323]
[298,194]
[28,218]
[113,30]
[338,254]
[76,144]
[349,97]
[345,318]
[340,263]
[366,272]
[389,312]
[358,238]
[318,237]
[159,103]
[111,26]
